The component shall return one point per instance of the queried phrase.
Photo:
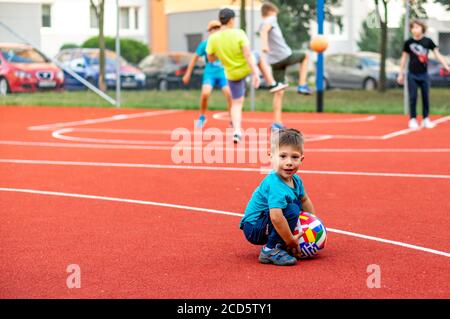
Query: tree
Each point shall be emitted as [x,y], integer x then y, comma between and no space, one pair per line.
[295,18]
[396,39]
[369,38]
[243,16]
[383,42]
[131,50]
[99,9]
[445,3]
[243,11]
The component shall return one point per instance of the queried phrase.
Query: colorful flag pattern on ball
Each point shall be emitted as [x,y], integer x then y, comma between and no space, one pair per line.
[314,234]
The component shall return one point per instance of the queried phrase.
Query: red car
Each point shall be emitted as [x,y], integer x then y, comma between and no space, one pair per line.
[24,69]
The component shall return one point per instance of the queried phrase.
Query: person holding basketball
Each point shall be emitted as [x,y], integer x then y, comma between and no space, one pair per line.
[273,211]
[213,76]
[418,48]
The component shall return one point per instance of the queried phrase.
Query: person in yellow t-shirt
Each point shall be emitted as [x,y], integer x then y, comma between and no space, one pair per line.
[231,47]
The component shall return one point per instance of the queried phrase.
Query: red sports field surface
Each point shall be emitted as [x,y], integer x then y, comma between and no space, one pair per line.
[80,186]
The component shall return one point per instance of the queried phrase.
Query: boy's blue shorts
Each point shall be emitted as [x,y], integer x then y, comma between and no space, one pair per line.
[238,87]
[215,81]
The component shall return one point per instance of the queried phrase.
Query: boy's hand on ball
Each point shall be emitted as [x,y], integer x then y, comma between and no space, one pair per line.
[294,245]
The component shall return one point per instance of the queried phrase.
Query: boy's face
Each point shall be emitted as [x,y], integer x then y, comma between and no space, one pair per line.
[416,30]
[286,160]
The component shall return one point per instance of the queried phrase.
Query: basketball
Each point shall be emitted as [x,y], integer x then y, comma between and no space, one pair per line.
[319,43]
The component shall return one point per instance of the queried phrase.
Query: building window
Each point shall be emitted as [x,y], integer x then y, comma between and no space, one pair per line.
[193,40]
[335,25]
[136,18]
[93,18]
[124,18]
[46,16]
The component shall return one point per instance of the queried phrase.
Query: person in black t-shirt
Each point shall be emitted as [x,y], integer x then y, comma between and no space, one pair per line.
[418,48]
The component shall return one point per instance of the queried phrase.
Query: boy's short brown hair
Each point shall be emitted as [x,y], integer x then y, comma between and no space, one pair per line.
[287,137]
[420,23]
[268,7]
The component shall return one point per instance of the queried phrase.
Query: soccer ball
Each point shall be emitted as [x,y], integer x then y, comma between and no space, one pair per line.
[314,234]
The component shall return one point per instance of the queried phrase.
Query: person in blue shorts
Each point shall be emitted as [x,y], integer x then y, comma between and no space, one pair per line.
[213,76]
[273,211]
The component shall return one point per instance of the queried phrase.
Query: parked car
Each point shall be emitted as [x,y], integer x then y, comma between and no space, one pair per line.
[85,62]
[24,69]
[437,76]
[165,71]
[357,70]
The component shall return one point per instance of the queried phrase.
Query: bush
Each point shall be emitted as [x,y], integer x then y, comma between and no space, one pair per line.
[131,50]
[69,46]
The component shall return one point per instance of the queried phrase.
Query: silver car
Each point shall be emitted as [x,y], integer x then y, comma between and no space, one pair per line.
[357,70]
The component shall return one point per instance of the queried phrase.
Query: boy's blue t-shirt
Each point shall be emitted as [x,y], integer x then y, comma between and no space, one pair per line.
[212,69]
[273,192]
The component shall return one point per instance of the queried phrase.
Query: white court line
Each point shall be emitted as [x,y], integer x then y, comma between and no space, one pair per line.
[61,135]
[398,133]
[409,130]
[167,148]
[124,131]
[216,168]
[223,116]
[215,211]
[118,117]
[355,137]
[318,137]
[378,150]
[442,120]
[170,132]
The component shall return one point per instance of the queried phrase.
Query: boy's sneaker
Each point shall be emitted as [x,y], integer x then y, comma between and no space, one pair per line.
[276,256]
[427,123]
[237,137]
[277,126]
[304,89]
[277,86]
[413,124]
[201,121]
